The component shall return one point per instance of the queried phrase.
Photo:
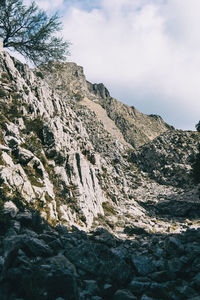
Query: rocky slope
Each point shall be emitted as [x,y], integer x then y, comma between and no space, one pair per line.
[137,128]
[94,195]
[168,158]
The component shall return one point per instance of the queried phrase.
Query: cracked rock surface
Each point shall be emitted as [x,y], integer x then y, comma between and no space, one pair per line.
[96,198]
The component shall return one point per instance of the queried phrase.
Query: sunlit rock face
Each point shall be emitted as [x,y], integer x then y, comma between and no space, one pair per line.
[137,128]
[96,199]
[43,145]
[59,143]
[68,148]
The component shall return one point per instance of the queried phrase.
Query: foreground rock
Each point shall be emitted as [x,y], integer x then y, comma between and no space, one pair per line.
[42,262]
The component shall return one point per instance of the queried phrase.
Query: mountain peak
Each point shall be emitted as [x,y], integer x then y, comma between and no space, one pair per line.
[137,128]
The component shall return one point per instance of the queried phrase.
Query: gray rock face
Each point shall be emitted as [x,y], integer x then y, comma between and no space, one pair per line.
[137,128]
[168,158]
[60,151]
[143,265]
[85,212]
[49,130]
[99,90]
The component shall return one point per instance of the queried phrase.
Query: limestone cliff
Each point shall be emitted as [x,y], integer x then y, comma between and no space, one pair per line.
[67,146]
[136,128]
[96,198]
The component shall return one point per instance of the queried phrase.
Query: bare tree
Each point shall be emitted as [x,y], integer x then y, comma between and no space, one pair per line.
[29,31]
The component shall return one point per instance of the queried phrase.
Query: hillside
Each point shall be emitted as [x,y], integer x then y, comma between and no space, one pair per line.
[96,198]
[137,128]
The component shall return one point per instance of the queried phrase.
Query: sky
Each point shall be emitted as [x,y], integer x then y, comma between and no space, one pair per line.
[146,52]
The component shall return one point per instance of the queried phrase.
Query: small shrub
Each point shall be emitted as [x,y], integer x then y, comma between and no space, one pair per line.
[60,159]
[3,121]
[101,219]
[108,208]
[82,218]
[39,74]
[72,203]
[5,75]
[16,96]
[79,97]
[2,162]
[33,144]
[5,78]
[36,126]
[3,93]
[33,176]
[15,196]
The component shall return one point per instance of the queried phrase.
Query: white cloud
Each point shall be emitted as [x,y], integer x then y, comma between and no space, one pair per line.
[146,50]
[49,4]
[46,4]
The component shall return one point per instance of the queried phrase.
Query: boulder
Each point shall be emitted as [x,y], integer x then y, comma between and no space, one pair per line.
[62,284]
[10,208]
[124,295]
[35,247]
[143,264]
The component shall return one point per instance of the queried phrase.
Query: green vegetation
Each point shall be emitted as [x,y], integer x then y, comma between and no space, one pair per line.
[3,93]
[5,78]
[14,196]
[64,194]
[30,32]
[35,125]
[15,96]
[59,159]
[33,144]
[3,120]
[34,175]
[108,208]
[39,74]
[103,221]
[2,162]
[78,96]
[12,110]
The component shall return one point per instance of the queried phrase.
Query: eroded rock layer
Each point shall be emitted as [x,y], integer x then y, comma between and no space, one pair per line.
[96,198]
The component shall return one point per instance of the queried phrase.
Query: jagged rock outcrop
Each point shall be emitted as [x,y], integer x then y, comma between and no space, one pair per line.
[45,142]
[168,158]
[60,158]
[137,128]
[99,90]
[96,200]
[63,155]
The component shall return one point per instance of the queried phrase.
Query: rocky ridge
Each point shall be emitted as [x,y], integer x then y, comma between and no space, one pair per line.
[137,128]
[94,195]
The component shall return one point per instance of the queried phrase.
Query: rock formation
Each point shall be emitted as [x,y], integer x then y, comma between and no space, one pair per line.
[96,198]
